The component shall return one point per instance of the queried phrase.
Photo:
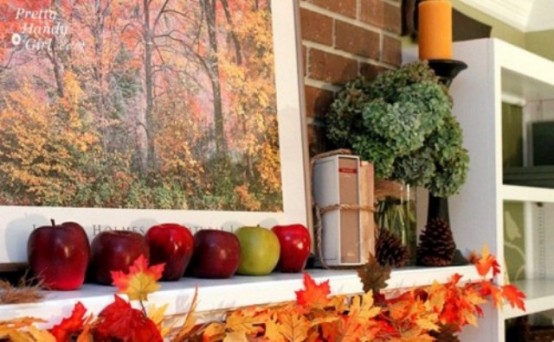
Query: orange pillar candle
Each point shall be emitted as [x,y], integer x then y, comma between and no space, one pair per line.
[435,29]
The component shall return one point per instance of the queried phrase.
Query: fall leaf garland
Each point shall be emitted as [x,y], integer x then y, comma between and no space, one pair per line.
[437,311]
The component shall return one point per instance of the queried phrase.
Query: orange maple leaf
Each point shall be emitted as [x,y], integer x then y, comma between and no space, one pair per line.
[140,281]
[345,328]
[313,295]
[215,331]
[514,296]
[70,325]
[485,262]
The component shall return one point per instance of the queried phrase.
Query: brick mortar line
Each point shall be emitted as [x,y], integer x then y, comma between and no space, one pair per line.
[308,119]
[393,3]
[392,35]
[320,84]
[333,15]
[333,51]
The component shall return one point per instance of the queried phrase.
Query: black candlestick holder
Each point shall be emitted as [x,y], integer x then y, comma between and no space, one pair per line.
[446,70]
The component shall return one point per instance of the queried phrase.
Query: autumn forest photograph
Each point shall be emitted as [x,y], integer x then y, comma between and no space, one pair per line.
[160,104]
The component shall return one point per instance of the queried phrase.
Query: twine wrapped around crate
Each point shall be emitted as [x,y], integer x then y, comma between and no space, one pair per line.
[320,211]
[389,188]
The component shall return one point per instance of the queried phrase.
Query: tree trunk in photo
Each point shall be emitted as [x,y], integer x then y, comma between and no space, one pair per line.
[148,154]
[208,7]
[56,63]
[97,69]
[236,42]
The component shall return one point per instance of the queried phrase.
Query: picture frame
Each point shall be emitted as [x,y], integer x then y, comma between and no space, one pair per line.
[17,222]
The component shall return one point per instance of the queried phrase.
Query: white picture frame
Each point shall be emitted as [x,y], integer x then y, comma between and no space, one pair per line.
[17,222]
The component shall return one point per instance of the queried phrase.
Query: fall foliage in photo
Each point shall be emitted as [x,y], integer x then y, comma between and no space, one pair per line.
[164,104]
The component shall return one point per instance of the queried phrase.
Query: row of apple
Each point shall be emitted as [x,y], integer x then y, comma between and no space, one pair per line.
[61,257]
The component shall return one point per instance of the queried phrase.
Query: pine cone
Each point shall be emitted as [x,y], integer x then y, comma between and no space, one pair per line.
[389,249]
[436,244]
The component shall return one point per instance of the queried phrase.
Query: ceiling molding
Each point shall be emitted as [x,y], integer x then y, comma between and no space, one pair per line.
[542,16]
[524,15]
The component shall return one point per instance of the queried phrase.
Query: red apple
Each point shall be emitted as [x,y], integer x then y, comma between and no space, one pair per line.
[172,244]
[295,244]
[216,254]
[115,250]
[59,255]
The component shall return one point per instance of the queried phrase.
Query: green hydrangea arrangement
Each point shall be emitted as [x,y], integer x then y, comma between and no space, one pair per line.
[402,121]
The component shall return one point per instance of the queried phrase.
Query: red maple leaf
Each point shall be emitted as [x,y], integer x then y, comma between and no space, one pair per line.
[122,322]
[70,325]
[489,289]
[454,279]
[514,296]
[313,295]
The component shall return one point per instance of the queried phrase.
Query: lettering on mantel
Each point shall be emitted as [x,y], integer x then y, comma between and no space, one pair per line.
[98,228]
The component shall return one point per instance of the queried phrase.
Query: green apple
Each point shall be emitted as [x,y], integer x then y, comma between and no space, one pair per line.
[259,250]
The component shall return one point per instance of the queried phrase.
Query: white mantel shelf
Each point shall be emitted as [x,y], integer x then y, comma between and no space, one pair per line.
[238,291]
[526,193]
[540,297]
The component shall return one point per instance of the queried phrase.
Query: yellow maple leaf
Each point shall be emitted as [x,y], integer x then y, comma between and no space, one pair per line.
[428,322]
[41,335]
[140,281]
[293,327]
[339,303]
[330,317]
[367,310]
[417,338]
[245,320]
[156,315]
[437,297]
[14,330]
[272,331]
[14,335]
[235,336]
[19,323]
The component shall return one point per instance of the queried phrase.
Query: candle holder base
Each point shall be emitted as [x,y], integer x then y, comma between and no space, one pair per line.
[446,69]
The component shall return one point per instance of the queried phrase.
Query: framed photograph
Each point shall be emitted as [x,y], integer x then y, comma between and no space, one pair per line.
[122,114]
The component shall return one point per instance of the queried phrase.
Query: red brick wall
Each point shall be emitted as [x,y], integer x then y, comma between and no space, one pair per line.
[342,39]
